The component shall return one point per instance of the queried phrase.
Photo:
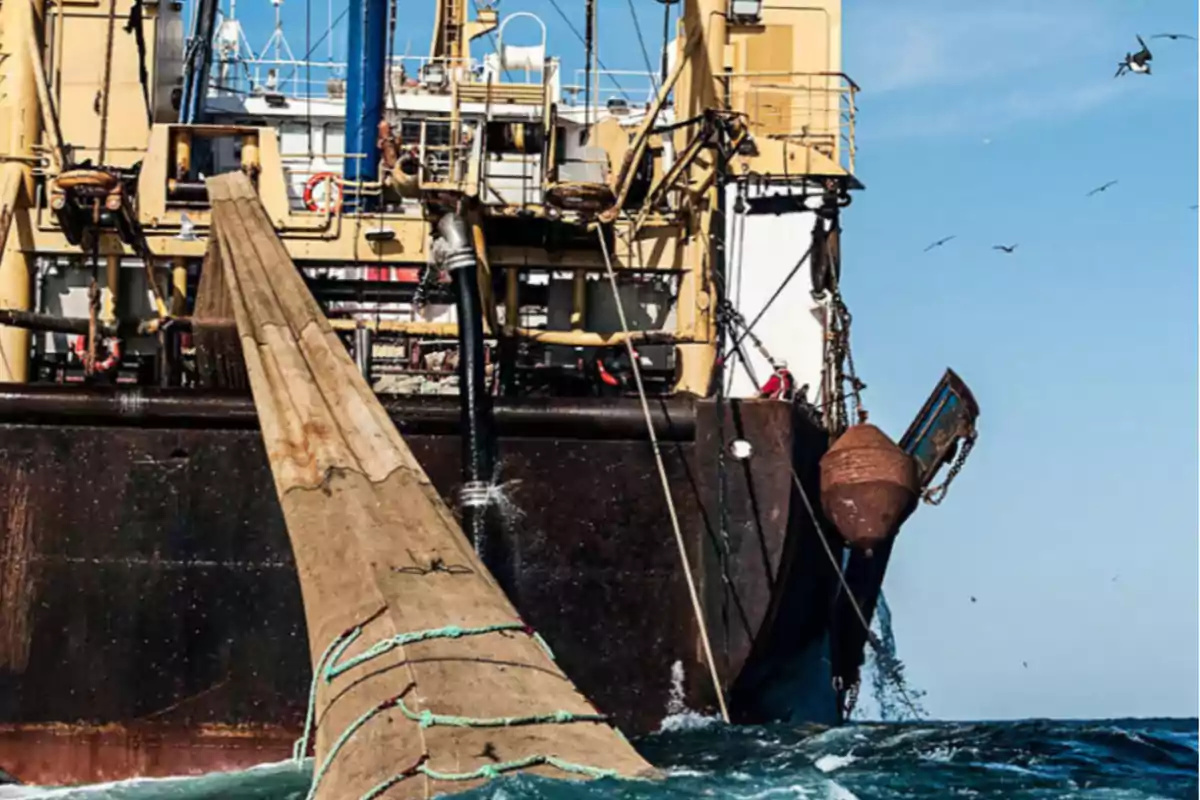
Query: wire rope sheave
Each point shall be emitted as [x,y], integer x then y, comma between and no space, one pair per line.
[330,666]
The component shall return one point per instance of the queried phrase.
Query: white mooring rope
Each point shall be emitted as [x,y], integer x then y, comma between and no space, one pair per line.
[662,474]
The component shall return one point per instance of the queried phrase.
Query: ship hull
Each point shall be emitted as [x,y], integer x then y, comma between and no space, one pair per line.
[151,619]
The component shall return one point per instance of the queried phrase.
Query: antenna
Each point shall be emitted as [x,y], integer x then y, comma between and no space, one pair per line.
[277,43]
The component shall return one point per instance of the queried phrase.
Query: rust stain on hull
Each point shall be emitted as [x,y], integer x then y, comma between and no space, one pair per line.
[166,627]
[57,754]
[16,577]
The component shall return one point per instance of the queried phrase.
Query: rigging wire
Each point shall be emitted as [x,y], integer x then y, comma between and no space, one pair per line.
[642,44]
[107,82]
[495,46]
[697,609]
[775,296]
[308,78]
[666,61]
[589,51]
[582,40]
[872,639]
[319,42]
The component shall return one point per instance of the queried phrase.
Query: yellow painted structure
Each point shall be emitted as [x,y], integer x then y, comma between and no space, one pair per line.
[780,76]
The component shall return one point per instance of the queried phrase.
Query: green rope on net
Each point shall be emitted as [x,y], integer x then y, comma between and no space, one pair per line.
[427,719]
[300,748]
[328,668]
[334,669]
[489,771]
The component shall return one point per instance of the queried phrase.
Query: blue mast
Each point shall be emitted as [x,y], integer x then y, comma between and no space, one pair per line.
[365,76]
[198,63]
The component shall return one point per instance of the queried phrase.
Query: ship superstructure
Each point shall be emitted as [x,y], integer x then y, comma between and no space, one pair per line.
[145,567]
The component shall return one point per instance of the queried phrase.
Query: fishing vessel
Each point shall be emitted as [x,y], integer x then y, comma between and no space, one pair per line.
[637,391]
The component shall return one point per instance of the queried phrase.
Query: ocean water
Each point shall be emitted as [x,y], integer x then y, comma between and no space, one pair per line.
[1114,759]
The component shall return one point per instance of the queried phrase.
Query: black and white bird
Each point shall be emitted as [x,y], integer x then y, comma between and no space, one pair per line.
[1008,248]
[1174,36]
[938,243]
[1103,188]
[1138,62]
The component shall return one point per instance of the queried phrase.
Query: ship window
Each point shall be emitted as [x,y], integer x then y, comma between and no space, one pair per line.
[293,138]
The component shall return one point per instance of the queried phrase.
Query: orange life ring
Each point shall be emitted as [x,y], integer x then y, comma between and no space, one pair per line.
[335,182]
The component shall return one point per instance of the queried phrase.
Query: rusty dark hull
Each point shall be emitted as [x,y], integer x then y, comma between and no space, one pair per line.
[150,614]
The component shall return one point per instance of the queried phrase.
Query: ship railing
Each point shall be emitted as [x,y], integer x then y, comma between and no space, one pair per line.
[814,109]
[325,80]
[634,87]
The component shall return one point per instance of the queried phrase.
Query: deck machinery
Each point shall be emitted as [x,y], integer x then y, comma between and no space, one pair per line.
[150,620]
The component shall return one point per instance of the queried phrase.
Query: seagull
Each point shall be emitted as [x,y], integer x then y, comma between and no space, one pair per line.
[1099,189]
[187,229]
[938,243]
[1008,248]
[1174,36]
[1136,62]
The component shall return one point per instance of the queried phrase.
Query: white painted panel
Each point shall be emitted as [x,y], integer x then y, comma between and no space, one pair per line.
[792,330]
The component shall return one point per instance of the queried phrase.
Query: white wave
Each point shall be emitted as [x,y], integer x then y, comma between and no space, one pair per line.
[679,717]
[835,791]
[688,721]
[830,762]
[123,788]
[776,791]
[942,754]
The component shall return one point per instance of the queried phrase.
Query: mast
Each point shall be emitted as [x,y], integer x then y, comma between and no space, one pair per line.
[365,80]
[453,32]
[448,29]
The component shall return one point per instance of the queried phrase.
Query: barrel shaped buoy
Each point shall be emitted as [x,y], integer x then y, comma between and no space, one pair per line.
[868,486]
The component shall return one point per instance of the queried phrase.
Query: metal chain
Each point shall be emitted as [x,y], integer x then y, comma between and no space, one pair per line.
[936,494]
[840,370]
[851,699]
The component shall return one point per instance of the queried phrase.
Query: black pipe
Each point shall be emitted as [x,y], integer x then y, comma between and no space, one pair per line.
[475,402]
[150,407]
[49,323]
[187,192]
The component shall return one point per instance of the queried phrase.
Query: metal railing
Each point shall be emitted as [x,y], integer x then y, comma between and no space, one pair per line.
[316,80]
[815,109]
[635,87]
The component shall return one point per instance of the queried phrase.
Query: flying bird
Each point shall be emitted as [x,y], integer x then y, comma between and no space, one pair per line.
[1174,36]
[1135,62]
[938,243]
[1193,208]
[1103,188]
[1008,248]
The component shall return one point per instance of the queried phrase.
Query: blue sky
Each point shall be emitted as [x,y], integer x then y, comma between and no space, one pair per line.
[1074,524]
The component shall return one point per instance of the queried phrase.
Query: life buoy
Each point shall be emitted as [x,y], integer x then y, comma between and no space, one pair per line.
[335,183]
